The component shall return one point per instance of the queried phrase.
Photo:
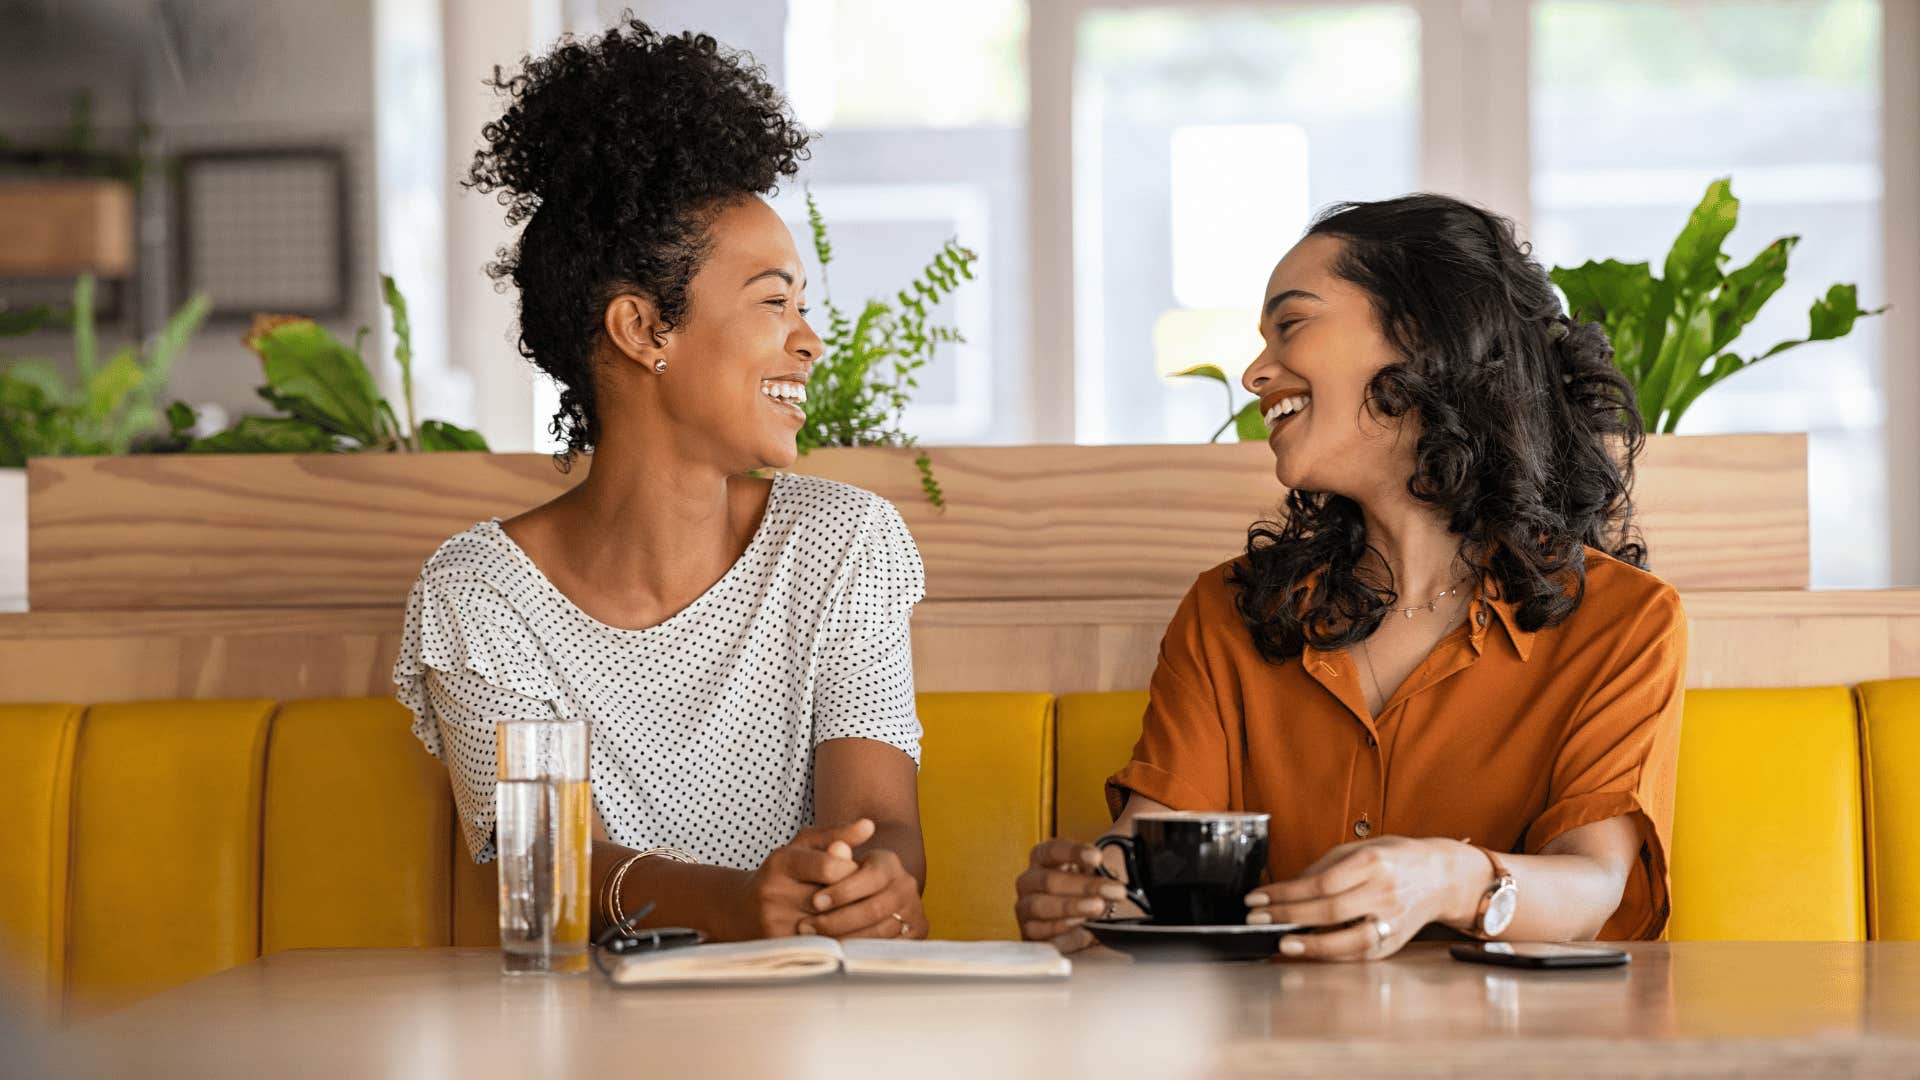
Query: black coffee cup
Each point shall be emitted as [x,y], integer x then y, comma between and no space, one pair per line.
[1193,868]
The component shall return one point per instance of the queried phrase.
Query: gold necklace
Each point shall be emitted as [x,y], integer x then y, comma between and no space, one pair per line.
[1366,646]
[1430,606]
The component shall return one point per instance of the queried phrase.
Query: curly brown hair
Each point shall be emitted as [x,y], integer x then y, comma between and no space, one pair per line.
[1528,434]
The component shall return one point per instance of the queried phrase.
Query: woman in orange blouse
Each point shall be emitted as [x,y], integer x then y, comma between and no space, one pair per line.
[1442,671]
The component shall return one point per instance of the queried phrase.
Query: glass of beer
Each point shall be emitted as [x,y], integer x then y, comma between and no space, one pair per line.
[545,849]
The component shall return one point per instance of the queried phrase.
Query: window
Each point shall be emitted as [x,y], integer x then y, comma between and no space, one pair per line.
[1204,139]
[921,111]
[1636,106]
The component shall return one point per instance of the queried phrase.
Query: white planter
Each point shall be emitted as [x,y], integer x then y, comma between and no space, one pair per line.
[13,539]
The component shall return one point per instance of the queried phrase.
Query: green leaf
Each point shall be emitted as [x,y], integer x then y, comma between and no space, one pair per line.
[180,418]
[1203,371]
[1831,316]
[1684,346]
[402,350]
[1250,423]
[438,435]
[172,339]
[1694,263]
[268,435]
[43,377]
[1746,291]
[14,323]
[1604,291]
[108,390]
[316,378]
[84,349]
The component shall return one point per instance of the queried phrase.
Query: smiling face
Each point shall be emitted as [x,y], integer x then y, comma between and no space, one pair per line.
[734,390]
[1323,346]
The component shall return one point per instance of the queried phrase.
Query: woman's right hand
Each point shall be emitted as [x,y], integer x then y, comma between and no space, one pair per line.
[778,896]
[1060,891]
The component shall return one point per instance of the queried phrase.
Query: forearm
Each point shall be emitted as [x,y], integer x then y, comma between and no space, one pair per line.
[1563,897]
[682,894]
[904,840]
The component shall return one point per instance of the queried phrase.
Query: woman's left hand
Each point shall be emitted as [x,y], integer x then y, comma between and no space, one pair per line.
[879,900]
[1388,888]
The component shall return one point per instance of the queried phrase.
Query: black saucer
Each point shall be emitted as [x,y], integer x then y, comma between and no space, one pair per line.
[1144,940]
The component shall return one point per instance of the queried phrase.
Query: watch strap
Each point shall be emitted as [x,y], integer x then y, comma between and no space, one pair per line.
[1502,878]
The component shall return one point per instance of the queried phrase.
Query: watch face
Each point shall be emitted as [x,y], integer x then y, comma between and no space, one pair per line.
[1500,911]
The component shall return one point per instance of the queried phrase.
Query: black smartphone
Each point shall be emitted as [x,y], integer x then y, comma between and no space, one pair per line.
[1538,955]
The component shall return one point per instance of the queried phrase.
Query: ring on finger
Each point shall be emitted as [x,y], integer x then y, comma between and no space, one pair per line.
[904,928]
[1382,930]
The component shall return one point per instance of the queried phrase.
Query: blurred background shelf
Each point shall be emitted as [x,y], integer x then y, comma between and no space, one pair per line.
[59,228]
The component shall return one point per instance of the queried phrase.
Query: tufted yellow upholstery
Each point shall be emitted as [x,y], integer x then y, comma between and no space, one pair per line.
[39,741]
[1890,731]
[1097,733]
[986,797]
[166,846]
[1768,836]
[359,827]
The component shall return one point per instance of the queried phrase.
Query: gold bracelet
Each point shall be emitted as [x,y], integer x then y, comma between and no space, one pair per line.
[612,899]
[616,915]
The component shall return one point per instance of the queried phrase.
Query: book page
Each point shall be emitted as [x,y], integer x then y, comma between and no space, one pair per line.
[956,959]
[774,960]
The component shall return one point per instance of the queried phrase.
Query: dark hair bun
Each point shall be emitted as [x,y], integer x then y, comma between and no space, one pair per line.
[634,117]
[614,151]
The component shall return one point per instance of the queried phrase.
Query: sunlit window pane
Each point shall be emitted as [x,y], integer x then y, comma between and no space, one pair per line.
[885,63]
[1205,137]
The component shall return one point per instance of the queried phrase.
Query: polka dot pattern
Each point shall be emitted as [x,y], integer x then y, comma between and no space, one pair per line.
[704,725]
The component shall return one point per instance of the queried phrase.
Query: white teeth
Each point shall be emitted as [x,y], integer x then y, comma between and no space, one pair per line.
[1287,407]
[784,390]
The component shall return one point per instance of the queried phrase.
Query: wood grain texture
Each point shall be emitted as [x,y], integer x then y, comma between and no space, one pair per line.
[1787,1009]
[1783,638]
[1022,523]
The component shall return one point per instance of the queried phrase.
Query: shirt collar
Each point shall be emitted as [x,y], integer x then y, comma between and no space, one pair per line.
[1490,607]
[1487,608]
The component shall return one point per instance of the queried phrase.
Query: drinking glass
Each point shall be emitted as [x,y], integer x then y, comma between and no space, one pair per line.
[545,850]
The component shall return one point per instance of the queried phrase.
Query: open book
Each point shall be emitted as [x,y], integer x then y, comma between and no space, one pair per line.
[781,959]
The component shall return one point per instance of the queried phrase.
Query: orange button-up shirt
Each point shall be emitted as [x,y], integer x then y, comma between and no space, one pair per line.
[1505,737]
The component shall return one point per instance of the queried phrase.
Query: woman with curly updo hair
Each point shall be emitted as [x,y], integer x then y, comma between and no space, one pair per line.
[740,645]
[1443,672]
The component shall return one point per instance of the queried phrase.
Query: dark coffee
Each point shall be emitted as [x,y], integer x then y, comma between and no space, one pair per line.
[1194,869]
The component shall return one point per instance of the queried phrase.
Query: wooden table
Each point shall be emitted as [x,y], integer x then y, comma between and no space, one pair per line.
[1733,1009]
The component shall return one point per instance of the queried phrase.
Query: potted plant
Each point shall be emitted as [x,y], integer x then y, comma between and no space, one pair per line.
[860,388]
[325,395]
[1673,336]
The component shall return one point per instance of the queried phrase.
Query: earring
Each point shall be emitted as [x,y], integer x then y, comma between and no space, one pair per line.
[659,367]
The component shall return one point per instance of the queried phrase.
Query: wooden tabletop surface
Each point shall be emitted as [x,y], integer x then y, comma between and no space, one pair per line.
[1733,1009]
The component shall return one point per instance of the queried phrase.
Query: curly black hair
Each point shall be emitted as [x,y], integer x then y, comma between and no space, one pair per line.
[616,152]
[1528,433]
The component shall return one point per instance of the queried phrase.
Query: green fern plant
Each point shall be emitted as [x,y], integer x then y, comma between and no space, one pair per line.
[860,388]
[110,405]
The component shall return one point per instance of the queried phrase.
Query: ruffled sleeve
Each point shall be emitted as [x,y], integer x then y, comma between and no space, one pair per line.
[864,688]
[468,660]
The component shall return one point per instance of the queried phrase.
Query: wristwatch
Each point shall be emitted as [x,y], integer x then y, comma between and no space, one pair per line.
[1498,903]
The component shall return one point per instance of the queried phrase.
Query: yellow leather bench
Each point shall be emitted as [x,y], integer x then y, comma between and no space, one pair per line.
[201,834]
[219,830]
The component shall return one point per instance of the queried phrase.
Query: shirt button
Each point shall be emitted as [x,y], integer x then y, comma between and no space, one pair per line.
[1363,828]
[1371,741]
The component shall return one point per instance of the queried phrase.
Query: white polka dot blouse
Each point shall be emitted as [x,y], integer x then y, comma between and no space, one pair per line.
[704,725]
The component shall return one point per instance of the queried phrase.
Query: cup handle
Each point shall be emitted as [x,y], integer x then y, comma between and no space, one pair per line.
[1129,854]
